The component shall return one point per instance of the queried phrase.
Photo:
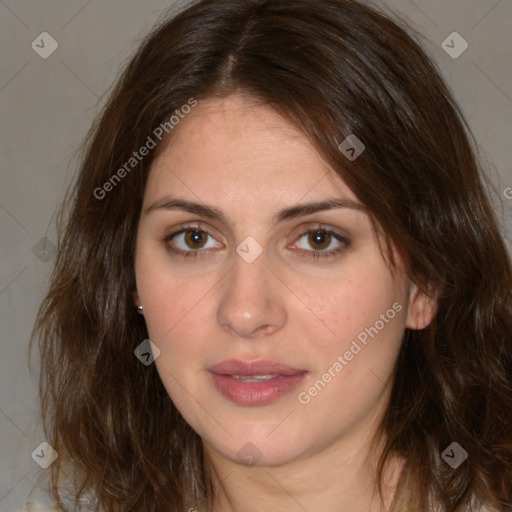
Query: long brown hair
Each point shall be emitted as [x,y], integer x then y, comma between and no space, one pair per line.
[334,68]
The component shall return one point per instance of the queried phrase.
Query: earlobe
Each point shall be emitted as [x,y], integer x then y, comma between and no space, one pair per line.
[137,302]
[422,309]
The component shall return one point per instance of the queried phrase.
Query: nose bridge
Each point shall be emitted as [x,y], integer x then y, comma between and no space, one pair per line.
[251,301]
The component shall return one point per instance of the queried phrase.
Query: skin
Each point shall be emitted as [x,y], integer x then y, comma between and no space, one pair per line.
[247,161]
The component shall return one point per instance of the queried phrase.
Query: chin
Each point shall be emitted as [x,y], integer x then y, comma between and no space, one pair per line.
[252,445]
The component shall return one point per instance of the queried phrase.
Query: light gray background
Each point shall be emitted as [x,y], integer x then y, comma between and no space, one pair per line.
[46,106]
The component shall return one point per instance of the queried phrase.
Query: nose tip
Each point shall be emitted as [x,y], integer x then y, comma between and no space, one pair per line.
[251,304]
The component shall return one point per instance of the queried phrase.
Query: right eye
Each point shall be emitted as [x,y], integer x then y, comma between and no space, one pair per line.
[190,241]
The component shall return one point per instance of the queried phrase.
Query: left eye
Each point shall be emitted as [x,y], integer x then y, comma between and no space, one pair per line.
[322,240]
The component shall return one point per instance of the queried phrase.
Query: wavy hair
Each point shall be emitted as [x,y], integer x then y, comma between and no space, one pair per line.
[334,68]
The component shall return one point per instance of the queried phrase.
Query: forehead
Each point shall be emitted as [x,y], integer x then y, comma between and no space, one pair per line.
[235,148]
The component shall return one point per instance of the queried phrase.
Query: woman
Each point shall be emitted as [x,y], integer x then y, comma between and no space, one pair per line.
[283,197]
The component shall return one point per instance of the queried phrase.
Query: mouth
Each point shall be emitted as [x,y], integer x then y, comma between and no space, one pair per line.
[255,383]
[254,378]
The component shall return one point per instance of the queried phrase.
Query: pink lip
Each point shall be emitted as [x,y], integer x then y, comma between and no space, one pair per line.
[255,393]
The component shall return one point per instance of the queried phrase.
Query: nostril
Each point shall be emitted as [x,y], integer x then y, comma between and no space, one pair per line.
[264,329]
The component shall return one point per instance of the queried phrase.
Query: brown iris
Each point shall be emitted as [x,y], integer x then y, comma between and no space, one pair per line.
[319,239]
[196,238]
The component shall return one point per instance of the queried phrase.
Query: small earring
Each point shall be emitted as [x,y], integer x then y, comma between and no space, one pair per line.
[139,309]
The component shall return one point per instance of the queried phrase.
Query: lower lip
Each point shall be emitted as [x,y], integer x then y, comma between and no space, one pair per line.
[256,393]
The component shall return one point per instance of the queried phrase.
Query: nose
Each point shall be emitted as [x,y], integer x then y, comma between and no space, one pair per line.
[252,300]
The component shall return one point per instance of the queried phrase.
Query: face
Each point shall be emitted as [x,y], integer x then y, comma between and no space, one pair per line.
[277,318]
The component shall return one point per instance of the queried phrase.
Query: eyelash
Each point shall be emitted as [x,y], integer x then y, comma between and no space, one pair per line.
[316,255]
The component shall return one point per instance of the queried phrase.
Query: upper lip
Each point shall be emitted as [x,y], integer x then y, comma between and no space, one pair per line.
[235,367]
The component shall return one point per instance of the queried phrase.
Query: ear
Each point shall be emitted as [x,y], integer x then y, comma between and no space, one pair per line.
[136,299]
[422,309]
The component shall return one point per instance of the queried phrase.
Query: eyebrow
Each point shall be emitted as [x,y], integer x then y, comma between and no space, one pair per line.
[293,212]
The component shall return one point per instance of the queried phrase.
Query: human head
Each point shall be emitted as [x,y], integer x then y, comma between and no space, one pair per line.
[333,69]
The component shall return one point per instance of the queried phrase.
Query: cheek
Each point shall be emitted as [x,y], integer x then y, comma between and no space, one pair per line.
[346,308]
[172,300]
[354,358]
[354,337]
[178,312]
